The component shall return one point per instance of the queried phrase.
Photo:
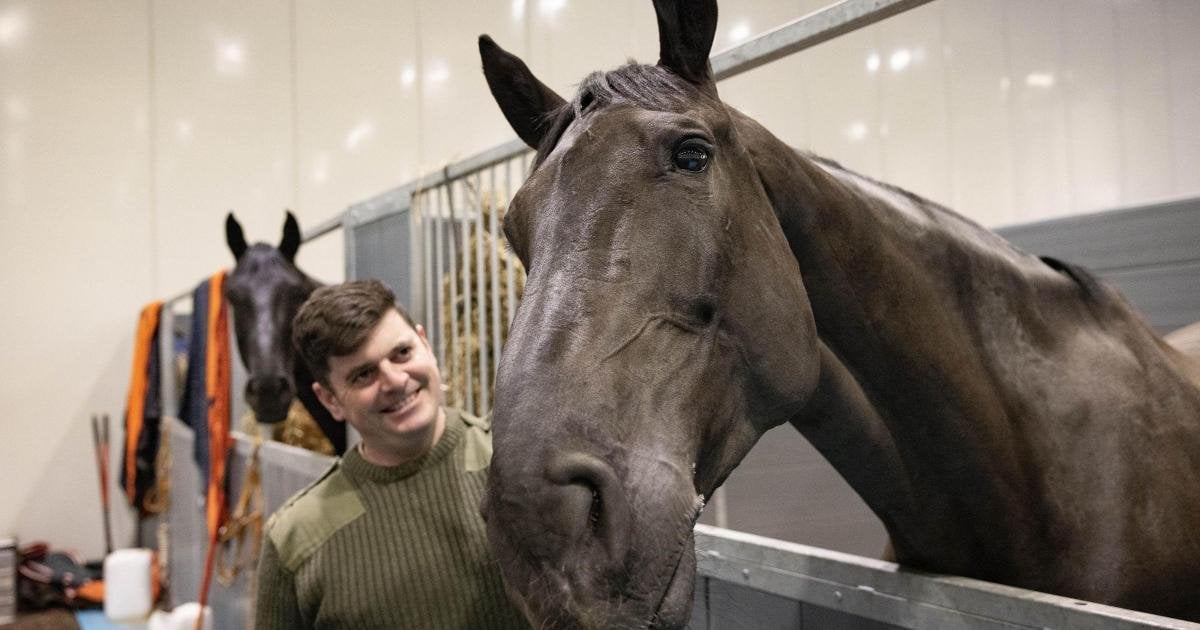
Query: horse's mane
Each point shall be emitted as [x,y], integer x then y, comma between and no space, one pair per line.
[1093,287]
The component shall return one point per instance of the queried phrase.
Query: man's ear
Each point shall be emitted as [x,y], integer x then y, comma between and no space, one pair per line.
[686,29]
[425,340]
[330,401]
[525,101]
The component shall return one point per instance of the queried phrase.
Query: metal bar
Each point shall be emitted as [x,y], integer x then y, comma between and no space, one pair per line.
[350,252]
[386,202]
[439,253]
[885,592]
[323,228]
[806,32]
[426,269]
[493,230]
[481,297]
[510,272]
[468,380]
[454,247]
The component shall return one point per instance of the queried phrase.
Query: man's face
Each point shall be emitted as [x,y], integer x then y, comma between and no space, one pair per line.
[389,389]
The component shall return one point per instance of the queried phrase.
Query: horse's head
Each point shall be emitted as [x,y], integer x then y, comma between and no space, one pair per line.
[265,290]
[663,329]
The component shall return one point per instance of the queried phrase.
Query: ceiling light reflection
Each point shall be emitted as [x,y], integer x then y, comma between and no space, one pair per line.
[231,57]
[518,10]
[183,131]
[360,133]
[408,75]
[550,7]
[900,60]
[857,131]
[437,72]
[1039,80]
[739,33]
[12,26]
[320,170]
[873,62]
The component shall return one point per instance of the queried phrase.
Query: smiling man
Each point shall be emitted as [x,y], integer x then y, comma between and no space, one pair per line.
[390,536]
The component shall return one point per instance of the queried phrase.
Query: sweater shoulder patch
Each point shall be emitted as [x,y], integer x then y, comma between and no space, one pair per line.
[312,516]
[477,447]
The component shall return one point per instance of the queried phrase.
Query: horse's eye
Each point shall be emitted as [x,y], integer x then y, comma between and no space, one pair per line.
[691,156]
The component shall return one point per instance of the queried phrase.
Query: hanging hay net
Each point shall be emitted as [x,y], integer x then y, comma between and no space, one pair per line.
[462,301]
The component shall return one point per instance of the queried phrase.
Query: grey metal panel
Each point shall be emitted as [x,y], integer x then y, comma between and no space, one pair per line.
[883,592]
[381,251]
[232,605]
[785,489]
[733,606]
[1154,234]
[699,620]
[1169,296]
[1151,253]
[185,516]
[821,618]
[285,470]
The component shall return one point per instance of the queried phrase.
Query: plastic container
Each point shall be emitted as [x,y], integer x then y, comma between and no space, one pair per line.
[128,586]
[182,618]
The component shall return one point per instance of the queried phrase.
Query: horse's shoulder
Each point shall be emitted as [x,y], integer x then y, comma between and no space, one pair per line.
[308,519]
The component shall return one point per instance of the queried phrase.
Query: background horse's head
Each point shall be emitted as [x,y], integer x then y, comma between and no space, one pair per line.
[663,329]
[265,290]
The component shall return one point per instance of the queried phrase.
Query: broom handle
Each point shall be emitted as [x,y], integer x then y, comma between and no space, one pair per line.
[100,439]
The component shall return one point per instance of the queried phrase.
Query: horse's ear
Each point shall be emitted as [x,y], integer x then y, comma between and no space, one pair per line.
[525,101]
[234,237]
[290,242]
[686,29]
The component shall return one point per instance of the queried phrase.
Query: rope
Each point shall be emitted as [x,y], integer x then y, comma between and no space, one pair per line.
[244,520]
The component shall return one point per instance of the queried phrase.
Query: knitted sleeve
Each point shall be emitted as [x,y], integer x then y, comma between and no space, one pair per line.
[275,603]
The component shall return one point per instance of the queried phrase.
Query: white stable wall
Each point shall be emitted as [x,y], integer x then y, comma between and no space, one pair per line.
[129,128]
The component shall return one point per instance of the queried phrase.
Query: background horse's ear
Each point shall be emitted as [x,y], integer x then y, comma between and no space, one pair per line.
[291,237]
[234,237]
[686,29]
[524,100]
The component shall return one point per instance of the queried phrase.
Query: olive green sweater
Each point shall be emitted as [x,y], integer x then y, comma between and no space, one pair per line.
[368,546]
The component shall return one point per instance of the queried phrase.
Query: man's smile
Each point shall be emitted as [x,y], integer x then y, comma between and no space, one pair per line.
[402,403]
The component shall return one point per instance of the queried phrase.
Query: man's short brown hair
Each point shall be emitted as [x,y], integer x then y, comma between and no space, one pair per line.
[335,320]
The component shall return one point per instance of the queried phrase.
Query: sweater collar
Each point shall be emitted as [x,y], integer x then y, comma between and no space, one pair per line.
[359,468]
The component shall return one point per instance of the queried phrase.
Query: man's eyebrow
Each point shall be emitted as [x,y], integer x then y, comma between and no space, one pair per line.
[359,369]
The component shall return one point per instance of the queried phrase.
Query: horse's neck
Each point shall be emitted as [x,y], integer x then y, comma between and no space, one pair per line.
[888,276]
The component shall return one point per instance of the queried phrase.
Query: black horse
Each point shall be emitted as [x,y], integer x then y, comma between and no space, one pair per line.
[264,291]
[694,282]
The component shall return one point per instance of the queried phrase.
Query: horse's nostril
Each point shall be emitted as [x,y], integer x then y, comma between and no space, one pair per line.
[591,501]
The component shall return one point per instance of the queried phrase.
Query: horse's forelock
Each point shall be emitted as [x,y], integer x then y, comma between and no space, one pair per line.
[647,87]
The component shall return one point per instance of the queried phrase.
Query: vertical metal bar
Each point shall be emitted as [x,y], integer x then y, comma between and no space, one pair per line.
[494,231]
[438,256]
[481,298]
[720,508]
[420,209]
[466,293]
[349,246]
[454,368]
[509,272]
